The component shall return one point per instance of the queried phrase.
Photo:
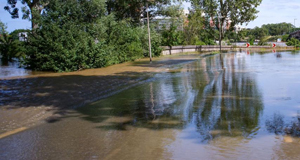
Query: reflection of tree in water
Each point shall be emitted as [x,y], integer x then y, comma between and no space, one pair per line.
[231,103]
[167,101]
[287,148]
[155,105]
[219,102]
[276,125]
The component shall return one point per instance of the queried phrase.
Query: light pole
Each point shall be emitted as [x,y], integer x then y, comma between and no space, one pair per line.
[220,38]
[149,36]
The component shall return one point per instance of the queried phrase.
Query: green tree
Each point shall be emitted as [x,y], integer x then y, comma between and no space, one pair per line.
[221,11]
[258,33]
[263,40]
[208,33]
[241,35]
[172,36]
[293,42]
[133,9]
[70,37]
[251,39]
[285,37]
[5,43]
[10,46]
[31,9]
[172,32]
[15,33]
[278,29]
[74,35]
[193,26]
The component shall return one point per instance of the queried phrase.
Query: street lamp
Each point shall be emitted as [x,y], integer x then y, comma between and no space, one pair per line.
[149,36]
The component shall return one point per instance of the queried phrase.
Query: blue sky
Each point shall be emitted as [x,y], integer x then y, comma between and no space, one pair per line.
[277,11]
[271,11]
[12,24]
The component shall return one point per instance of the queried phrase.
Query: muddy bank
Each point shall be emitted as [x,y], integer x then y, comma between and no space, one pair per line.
[34,99]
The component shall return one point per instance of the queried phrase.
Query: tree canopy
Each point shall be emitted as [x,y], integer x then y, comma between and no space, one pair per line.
[9,46]
[74,35]
[134,9]
[225,14]
[31,9]
[278,29]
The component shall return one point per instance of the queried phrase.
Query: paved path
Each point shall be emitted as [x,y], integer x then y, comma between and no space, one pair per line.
[31,100]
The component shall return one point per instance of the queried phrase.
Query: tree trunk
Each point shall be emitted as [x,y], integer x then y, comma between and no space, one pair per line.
[34,25]
[35,5]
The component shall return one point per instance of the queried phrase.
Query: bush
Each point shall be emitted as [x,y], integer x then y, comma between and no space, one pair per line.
[209,41]
[263,41]
[285,37]
[274,38]
[156,41]
[293,42]
[75,41]
[200,43]
[251,39]
[172,36]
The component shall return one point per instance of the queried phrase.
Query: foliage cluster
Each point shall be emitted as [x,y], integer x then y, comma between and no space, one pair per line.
[79,34]
[218,13]
[75,35]
[263,40]
[172,32]
[278,29]
[285,37]
[10,46]
[293,42]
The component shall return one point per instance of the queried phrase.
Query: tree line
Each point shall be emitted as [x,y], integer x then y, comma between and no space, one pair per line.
[270,32]
[80,34]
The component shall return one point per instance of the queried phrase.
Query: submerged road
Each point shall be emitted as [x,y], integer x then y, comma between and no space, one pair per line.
[26,101]
[234,106]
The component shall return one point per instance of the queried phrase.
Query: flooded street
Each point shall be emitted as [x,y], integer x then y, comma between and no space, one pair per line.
[233,106]
[13,69]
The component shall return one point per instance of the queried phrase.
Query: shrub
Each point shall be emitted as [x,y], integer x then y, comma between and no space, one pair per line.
[285,37]
[200,43]
[84,38]
[293,42]
[251,39]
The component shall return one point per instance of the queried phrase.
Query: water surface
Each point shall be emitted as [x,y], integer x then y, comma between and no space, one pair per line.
[233,106]
[13,69]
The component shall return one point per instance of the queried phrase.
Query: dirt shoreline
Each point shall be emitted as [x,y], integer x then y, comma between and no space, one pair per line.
[31,100]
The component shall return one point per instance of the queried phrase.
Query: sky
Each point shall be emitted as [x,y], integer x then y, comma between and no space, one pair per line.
[270,11]
[12,24]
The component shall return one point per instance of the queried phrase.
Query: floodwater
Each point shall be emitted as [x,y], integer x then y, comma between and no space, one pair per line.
[13,69]
[233,106]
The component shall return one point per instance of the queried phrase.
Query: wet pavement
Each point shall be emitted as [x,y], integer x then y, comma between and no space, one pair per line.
[28,100]
[233,106]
